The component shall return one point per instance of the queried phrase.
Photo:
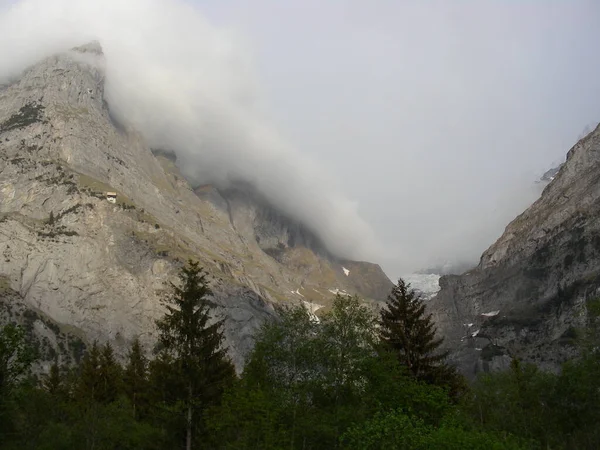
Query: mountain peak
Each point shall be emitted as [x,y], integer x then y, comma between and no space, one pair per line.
[93,222]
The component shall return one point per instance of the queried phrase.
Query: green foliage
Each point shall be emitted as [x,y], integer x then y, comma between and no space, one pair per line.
[100,375]
[556,411]
[135,379]
[15,357]
[593,307]
[109,376]
[88,384]
[53,382]
[407,329]
[411,334]
[391,430]
[15,361]
[307,382]
[29,114]
[523,393]
[397,430]
[195,347]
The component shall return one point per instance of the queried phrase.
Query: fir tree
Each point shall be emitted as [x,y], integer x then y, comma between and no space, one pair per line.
[89,383]
[135,377]
[15,361]
[109,374]
[53,382]
[195,344]
[410,332]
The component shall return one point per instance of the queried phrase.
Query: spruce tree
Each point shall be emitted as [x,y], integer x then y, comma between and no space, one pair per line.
[410,332]
[88,382]
[196,345]
[135,377]
[109,373]
[53,382]
[15,361]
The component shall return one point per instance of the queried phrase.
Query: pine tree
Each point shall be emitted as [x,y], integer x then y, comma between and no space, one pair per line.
[196,346]
[410,332]
[89,383]
[53,382]
[109,374]
[135,377]
[15,362]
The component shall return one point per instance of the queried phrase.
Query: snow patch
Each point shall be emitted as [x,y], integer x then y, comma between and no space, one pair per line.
[474,334]
[312,308]
[346,271]
[491,313]
[336,291]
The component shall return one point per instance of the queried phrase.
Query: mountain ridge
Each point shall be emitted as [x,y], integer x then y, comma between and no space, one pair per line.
[100,267]
[532,288]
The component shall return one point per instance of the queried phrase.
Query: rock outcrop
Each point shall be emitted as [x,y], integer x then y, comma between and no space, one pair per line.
[529,295]
[98,268]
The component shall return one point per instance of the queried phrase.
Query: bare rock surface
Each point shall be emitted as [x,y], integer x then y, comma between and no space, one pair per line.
[100,267]
[530,293]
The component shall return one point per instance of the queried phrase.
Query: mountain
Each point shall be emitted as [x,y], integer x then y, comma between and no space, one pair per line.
[549,175]
[533,289]
[93,222]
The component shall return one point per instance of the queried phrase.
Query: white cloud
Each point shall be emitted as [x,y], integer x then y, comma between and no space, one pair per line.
[436,117]
[190,87]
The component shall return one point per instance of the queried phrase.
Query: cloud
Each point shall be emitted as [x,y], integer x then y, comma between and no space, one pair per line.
[430,119]
[189,86]
[437,116]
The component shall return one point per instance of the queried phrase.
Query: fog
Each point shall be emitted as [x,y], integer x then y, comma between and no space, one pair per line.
[408,133]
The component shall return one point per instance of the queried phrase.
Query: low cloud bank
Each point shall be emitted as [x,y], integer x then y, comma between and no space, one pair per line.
[190,87]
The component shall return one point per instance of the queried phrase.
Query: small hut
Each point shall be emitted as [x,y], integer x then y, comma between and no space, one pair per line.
[111,197]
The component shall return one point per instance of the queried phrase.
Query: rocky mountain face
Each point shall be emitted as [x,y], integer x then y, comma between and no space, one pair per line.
[549,175]
[532,290]
[76,267]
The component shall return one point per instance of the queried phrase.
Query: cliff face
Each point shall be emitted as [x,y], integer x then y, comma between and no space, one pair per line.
[98,268]
[530,293]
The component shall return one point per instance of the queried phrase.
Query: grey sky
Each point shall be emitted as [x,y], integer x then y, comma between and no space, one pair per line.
[435,117]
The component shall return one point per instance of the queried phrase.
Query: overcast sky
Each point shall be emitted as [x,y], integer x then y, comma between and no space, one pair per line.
[429,120]
[436,116]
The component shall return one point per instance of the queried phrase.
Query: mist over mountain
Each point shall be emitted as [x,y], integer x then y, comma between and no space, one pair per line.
[395,138]
[190,88]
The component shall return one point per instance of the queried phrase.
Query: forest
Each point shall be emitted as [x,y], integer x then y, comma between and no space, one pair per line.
[353,378]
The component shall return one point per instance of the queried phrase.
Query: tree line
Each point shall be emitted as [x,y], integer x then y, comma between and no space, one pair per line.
[350,379]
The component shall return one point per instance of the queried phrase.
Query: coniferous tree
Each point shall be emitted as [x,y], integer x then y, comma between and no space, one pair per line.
[109,373]
[53,382]
[15,362]
[410,332]
[135,378]
[195,344]
[88,384]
